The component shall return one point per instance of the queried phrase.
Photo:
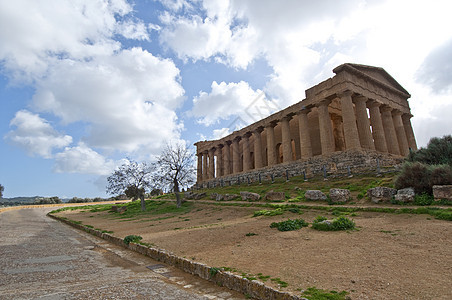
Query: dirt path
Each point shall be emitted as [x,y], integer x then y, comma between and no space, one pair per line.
[41,258]
[391,256]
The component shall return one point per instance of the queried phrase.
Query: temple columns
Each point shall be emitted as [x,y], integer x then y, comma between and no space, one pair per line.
[246,152]
[305,138]
[400,132]
[390,134]
[362,120]
[235,155]
[211,172]
[377,127]
[219,165]
[349,121]
[199,168]
[227,158]
[326,129]
[204,166]
[271,155]
[258,162]
[409,131]
[286,141]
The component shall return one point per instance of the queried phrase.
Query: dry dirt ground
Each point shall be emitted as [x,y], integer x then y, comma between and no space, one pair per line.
[391,256]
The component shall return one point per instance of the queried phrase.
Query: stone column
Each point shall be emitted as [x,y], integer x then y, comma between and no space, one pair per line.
[377,127]
[271,155]
[235,155]
[390,134]
[227,158]
[211,172]
[409,131]
[362,121]
[338,132]
[349,121]
[400,132]
[286,141]
[219,153]
[258,162]
[305,138]
[199,168]
[246,152]
[205,164]
[326,129]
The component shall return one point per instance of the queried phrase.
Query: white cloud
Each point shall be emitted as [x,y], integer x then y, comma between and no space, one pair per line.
[231,99]
[82,159]
[35,135]
[220,133]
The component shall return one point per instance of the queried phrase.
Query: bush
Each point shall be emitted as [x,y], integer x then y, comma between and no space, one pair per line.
[289,225]
[441,174]
[340,223]
[132,239]
[267,213]
[423,199]
[438,151]
[415,175]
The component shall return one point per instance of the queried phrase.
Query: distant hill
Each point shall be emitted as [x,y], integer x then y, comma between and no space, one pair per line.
[22,200]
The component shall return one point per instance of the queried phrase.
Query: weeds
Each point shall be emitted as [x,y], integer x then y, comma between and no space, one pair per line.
[132,239]
[289,225]
[340,223]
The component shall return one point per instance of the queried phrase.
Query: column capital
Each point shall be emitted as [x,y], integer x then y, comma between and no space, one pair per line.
[396,112]
[219,146]
[228,142]
[237,138]
[286,118]
[212,150]
[360,98]
[407,115]
[271,124]
[324,102]
[304,111]
[386,108]
[346,93]
[373,103]
[247,135]
[258,130]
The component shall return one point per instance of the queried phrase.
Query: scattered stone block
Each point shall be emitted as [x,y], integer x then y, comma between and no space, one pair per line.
[198,196]
[249,196]
[213,196]
[405,195]
[188,195]
[275,196]
[219,197]
[340,195]
[442,192]
[315,195]
[119,209]
[228,197]
[381,194]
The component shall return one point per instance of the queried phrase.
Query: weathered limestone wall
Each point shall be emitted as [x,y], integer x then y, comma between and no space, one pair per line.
[361,108]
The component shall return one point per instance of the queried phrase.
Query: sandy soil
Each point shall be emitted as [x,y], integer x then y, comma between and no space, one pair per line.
[389,257]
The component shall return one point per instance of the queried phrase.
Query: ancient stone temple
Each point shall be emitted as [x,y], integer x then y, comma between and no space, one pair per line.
[357,119]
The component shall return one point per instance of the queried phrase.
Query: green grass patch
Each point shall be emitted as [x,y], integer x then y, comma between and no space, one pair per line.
[132,239]
[266,212]
[340,223]
[289,225]
[313,293]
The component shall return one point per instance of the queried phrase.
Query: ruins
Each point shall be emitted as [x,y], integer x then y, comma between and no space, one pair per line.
[358,118]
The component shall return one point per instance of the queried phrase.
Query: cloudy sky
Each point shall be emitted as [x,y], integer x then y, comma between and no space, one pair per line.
[86,83]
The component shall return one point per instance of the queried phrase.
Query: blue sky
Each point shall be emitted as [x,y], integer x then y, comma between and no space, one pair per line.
[84,84]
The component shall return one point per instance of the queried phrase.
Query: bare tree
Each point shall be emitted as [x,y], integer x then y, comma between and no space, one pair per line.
[1,190]
[176,168]
[132,179]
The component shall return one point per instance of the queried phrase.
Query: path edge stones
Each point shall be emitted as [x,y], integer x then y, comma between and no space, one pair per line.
[252,288]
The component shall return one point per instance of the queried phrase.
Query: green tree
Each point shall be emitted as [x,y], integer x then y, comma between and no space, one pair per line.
[175,168]
[131,178]
[437,152]
[2,188]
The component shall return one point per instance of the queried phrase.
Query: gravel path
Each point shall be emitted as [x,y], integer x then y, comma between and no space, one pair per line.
[41,258]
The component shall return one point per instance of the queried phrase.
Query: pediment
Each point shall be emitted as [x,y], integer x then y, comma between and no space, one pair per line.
[374,73]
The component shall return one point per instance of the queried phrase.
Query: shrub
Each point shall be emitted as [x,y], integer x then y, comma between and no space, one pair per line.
[423,199]
[266,212]
[340,223]
[289,225]
[415,175]
[132,239]
[441,174]
[438,151]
